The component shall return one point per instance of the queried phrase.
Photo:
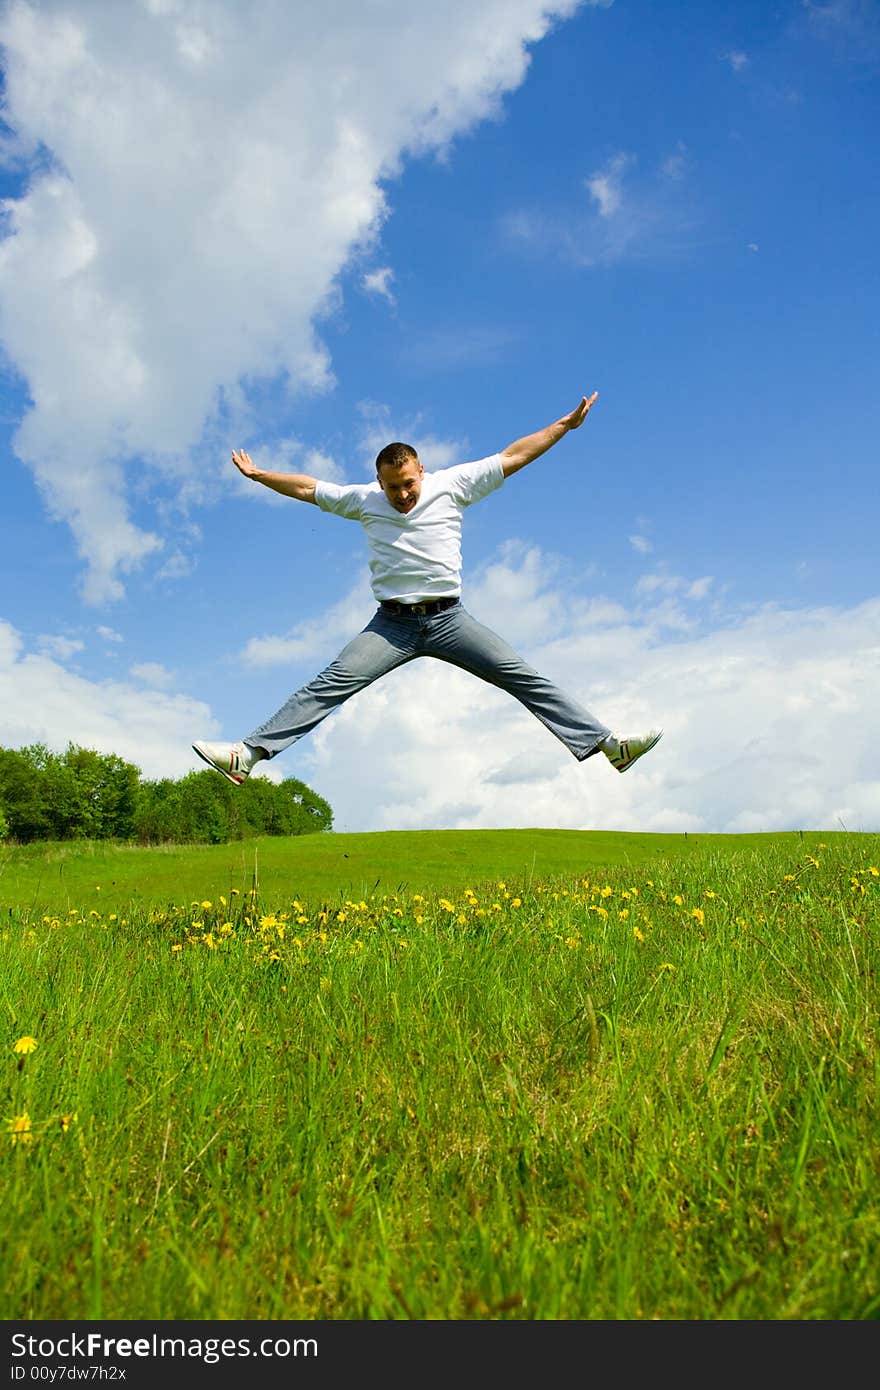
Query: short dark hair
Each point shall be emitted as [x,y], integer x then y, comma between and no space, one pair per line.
[395,455]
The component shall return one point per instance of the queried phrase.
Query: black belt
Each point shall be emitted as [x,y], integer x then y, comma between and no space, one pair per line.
[424,610]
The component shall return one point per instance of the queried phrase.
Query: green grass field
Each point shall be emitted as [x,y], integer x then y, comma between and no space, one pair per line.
[478,1075]
[57,877]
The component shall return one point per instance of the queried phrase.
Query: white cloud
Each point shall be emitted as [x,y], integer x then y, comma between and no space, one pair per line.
[737,59]
[641,544]
[212,170]
[771,723]
[631,213]
[153,673]
[851,27]
[606,185]
[42,701]
[379,282]
[314,639]
[61,647]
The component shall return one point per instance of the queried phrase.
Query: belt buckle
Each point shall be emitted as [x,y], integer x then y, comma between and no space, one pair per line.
[421,608]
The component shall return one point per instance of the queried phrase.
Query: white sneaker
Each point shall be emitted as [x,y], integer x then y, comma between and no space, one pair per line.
[234,760]
[623,752]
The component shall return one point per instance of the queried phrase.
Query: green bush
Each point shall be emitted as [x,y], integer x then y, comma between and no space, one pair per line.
[83,794]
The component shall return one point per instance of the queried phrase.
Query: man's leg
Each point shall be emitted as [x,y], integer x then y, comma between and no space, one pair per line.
[456,637]
[380,648]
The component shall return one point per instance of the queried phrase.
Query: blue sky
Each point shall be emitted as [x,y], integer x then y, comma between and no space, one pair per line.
[249,226]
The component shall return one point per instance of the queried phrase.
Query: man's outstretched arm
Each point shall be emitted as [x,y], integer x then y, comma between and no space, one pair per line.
[298,485]
[532,446]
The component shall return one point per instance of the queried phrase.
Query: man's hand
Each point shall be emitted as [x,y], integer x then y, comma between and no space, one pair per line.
[298,485]
[532,446]
[243,463]
[580,412]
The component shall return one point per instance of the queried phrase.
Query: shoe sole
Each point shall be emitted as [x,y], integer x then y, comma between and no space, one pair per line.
[635,757]
[236,781]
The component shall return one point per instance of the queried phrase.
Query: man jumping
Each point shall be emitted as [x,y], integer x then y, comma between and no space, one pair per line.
[413,524]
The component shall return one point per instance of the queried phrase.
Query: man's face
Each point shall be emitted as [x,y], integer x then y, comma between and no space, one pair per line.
[402,485]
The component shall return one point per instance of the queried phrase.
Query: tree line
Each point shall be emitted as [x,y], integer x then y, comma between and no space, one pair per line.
[84,795]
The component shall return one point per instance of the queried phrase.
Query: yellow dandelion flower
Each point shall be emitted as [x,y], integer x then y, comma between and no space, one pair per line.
[206,905]
[678,900]
[446,905]
[698,915]
[20,1129]
[25,1045]
[501,885]
[177,946]
[606,892]
[65,1121]
[874,872]
[516,902]
[639,936]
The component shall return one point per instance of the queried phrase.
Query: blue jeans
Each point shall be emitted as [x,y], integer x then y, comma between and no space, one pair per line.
[389,641]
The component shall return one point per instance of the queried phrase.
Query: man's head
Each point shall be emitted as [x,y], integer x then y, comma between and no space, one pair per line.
[400,475]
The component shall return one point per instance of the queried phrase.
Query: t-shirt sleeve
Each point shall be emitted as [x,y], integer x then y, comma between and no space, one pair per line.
[344,499]
[469,482]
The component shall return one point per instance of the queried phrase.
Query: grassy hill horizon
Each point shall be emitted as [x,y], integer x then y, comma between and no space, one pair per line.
[60,875]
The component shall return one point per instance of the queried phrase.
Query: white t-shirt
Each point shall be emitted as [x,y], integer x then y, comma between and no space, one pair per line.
[416,555]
